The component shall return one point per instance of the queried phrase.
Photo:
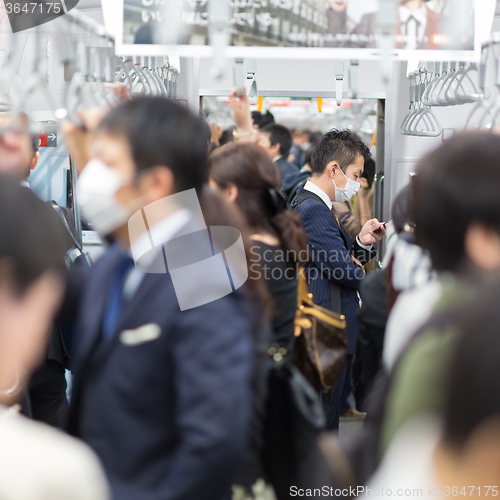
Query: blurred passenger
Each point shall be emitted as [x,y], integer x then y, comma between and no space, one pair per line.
[292,182]
[455,452]
[276,141]
[468,455]
[248,178]
[408,268]
[47,390]
[260,120]
[37,462]
[335,269]
[460,228]
[299,147]
[162,394]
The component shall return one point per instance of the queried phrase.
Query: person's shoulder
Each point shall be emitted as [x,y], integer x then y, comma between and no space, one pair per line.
[56,463]
[313,207]
[340,207]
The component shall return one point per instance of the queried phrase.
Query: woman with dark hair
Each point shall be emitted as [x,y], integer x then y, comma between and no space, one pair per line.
[248,178]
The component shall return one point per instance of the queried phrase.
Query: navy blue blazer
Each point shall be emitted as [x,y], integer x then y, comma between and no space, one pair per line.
[330,248]
[169,416]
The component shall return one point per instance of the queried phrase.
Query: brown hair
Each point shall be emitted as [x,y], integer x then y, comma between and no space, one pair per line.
[258,180]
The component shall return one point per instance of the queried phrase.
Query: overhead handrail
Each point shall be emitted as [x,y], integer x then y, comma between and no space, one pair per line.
[420,121]
[482,107]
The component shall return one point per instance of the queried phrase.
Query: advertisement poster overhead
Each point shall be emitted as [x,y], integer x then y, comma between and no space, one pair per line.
[274,27]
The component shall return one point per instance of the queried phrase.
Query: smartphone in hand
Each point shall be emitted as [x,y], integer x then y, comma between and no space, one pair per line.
[379,229]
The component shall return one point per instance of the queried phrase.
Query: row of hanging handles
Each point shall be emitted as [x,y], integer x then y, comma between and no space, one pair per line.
[452,84]
[97,75]
[99,72]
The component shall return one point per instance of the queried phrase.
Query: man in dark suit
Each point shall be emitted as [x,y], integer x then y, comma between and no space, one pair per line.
[47,390]
[334,269]
[162,389]
[276,140]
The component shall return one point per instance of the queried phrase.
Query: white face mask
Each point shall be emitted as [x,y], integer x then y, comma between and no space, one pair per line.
[97,187]
[350,189]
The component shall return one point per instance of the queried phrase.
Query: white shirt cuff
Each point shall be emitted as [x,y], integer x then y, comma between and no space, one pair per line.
[364,247]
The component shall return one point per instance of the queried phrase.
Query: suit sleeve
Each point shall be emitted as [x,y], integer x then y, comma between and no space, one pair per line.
[326,246]
[212,356]
[362,254]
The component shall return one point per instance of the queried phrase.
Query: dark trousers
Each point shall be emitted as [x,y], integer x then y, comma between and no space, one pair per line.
[345,384]
[330,401]
[47,394]
[334,400]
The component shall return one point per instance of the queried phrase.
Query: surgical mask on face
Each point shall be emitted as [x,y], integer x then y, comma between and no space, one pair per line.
[97,187]
[350,189]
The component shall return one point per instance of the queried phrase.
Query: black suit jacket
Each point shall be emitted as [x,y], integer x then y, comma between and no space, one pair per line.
[167,416]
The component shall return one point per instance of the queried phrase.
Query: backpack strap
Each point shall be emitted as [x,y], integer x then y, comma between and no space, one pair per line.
[303,196]
[75,253]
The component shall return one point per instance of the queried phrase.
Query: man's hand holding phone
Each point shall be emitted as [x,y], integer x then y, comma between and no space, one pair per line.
[372,232]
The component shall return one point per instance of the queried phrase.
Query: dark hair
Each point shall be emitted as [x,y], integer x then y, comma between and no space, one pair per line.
[278,134]
[262,120]
[227,136]
[160,132]
[207,133]
[474,367]
[341,146]
[401,210]
[35,141]
[32,239]
[314,138]
[258,179]
[369,171]
[456,185]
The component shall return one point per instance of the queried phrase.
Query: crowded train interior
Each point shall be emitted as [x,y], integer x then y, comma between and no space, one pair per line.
[249,249]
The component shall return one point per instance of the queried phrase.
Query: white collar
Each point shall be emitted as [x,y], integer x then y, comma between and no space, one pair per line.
[309,186]
[420,14]
[276,158]
[162,232]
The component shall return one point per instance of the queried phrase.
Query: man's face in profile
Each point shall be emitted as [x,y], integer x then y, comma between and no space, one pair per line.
[338,5]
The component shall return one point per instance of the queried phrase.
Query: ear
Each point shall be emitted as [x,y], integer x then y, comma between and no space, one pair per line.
[231,193]
[276,149]
[332,168]
[160,184]
[482,246]
[35,160]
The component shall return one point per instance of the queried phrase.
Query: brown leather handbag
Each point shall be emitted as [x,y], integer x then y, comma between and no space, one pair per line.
[321,340]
